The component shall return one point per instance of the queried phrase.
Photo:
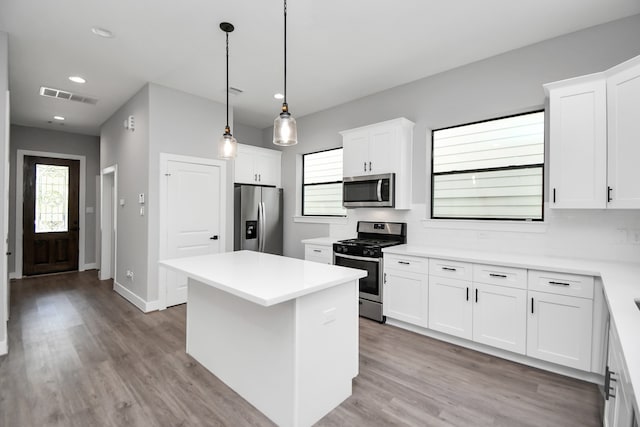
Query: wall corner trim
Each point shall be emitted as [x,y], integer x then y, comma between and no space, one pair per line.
[89,266]
[3,347]
[142,305]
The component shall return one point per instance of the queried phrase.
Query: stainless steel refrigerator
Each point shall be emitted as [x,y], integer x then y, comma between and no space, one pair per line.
[258,219]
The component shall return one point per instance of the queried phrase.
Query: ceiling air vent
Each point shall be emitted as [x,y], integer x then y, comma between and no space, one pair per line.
[63,94]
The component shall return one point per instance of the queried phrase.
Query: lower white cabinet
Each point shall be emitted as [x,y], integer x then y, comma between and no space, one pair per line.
[450,309]
[559,329]
[499,317]
[618,407]
[318,253]
[406,289]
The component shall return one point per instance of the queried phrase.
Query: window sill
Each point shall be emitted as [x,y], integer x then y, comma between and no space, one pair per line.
[505,226]
[321,219]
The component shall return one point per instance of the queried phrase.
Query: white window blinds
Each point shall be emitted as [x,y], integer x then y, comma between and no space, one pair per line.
[322,183]
[489,170]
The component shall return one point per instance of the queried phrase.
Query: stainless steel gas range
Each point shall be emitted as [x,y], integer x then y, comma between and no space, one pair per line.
[365,253]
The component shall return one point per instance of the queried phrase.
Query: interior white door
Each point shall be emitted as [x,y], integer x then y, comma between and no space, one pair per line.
[193,218]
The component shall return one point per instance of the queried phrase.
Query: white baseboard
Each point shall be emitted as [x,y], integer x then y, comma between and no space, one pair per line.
[503,354]
[142,305]
[3,347]
[89,266]
[13,275]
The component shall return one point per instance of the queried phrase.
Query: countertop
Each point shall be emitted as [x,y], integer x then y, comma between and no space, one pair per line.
[621,283]
[323,241]
[263,279]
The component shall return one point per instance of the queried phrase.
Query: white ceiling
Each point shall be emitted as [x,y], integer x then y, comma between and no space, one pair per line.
[337,50]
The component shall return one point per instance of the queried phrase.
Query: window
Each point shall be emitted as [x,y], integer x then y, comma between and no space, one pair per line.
[489,170]
[322,183]
[52,189]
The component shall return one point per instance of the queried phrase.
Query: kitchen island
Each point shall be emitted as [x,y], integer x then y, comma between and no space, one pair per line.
[281,332]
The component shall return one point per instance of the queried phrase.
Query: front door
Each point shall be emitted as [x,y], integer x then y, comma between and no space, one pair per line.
[50,215]
[193,218]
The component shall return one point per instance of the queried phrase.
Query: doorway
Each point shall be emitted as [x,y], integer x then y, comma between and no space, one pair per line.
[51,215]
[108,222]
[192,217]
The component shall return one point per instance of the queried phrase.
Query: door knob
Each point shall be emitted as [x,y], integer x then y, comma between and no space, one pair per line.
[213,237]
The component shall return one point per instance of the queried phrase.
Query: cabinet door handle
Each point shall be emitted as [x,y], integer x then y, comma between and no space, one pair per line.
[365,166]
[531,305]
[259,178]
[404,262]
[449,269]
[369,166]
[467,293]
[476,294]
[502,276]
[255,177]
[384,280]
[551,282]
[554,195]
[609,194]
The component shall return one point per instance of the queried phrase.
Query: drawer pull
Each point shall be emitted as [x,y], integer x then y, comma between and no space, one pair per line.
[551,282]
[404,262]
[467,293]
[317,250]
[531,305]
[384,279]
[449,269]
[502,276]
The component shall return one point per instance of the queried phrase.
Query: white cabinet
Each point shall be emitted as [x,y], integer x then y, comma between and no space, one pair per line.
[593,131]
[450,307]
[623,108]
[500,306]
[406,289]
[379,149]
[318,253]
[578,142]
[256,165]
[618,407]
[560,325]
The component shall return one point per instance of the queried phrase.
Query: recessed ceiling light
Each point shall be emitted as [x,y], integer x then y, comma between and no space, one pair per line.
[102,32]
[278,96]
[77,79]
[58,117]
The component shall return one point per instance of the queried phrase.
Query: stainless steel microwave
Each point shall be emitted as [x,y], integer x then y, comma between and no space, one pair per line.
[369,191]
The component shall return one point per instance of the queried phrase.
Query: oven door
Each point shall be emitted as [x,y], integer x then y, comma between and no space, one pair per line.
[370,288]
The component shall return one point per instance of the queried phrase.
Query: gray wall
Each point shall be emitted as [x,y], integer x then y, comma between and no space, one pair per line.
[505,84]
[130,152]
[187,125]
[248,135]
[4,125]
[167,121]
[34,139]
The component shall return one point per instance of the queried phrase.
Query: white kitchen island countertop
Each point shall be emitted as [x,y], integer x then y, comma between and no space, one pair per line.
[261,278]
[620,281]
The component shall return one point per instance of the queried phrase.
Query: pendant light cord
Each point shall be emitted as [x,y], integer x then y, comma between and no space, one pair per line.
[285,52]
[227,88]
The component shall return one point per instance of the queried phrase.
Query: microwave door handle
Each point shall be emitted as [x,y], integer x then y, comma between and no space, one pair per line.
[379,190]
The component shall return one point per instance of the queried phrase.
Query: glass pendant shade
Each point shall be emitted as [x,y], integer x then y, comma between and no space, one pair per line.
[285,132]
[227,146]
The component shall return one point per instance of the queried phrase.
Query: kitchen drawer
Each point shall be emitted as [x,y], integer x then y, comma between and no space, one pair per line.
[454,269]
[561,283]
[406,263]
[319,253]
[500,276]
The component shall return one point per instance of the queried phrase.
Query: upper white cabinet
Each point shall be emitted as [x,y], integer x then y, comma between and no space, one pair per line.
[381,148]
[623,108]
[593,130]
[577,146]
[259,166]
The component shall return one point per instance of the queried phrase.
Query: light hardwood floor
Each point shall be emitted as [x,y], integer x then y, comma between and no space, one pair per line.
[80,355]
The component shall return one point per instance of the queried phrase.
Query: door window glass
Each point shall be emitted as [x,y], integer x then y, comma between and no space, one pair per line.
[52,201]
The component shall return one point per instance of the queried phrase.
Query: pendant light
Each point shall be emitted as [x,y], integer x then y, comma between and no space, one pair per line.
[285,132]
[227,145]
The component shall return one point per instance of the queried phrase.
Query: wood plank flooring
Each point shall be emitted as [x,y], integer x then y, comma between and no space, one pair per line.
[80,355]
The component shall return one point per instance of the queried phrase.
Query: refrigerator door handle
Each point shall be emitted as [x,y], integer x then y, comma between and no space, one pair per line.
[263,224]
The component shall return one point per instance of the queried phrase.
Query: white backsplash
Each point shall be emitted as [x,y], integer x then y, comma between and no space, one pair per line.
[612,235]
